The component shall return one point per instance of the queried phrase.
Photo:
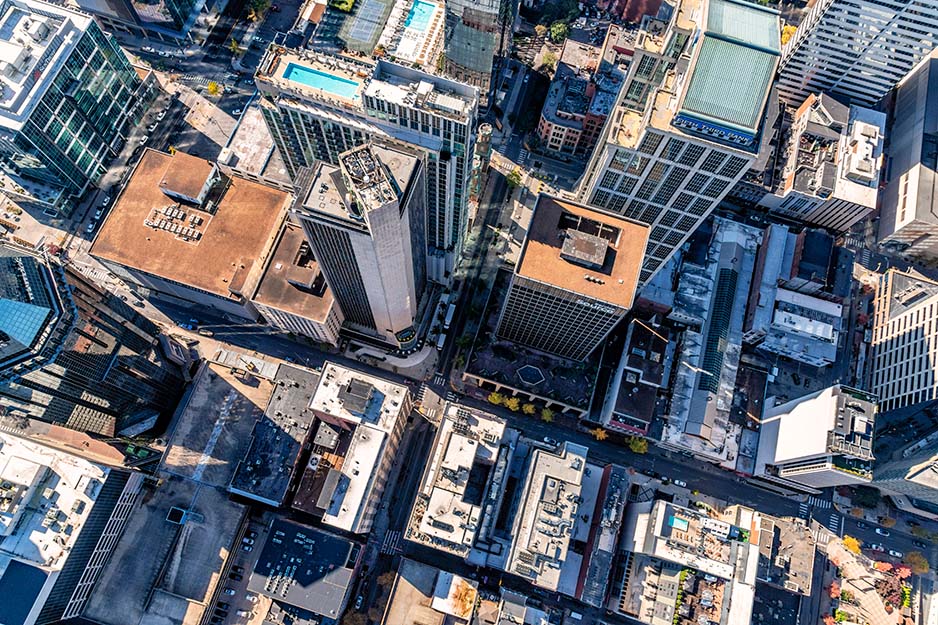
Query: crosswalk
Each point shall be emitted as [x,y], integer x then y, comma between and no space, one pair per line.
[439,379]
[422,393]
[392,543]
[834,523]
[804,510]
[523,156]
[823,504]
[451,396]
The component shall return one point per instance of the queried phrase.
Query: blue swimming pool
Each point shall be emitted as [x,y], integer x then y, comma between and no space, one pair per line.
[310,77]
[420,14]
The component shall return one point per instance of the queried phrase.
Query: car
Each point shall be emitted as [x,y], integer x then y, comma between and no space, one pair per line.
[862,525]
[895,554]
[223,605]
[919,544]
[875,547]
[275,8]
[259,39]
[551,441]
[882,532]
[216,620]
[251,598]
[680,483]
[147,49]
[221,613]
[249,80]
[236,576]
[144,139]
[244,613]
[163,53]
[151,127]
[139,304]
[237,112]
[98,213]
[525,78]
[252,534]
[106,200]
[90,228]
[247,541]
[359,602]
[247,548]
[237,569]
[161,114]
[229,591]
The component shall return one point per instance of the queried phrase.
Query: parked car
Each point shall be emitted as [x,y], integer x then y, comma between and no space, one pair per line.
[237,112]
[862,525]
[237,569]
[359,602]
[229,591]
[247,541]
[247,548]
[151,127]
[551,441]
[243,613]
[90,228]
[251,534]
[919,544]
[98,213]
[875,547]
[223,605]
[882,532]
[106,200]
[236,576]
[251,598]
[161,115]
[680,483]
[895,554]
[144,139]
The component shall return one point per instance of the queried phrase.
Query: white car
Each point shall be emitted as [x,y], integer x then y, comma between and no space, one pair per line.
[90,228]
[895,554]
[161,115]
[882,532]
[237,112]
[144,139]
[680,483]
[98,213]
[106,201]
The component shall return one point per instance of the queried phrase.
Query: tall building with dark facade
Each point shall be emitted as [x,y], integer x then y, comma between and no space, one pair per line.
[575,279]
[318,107]
[166,20]
[68,91]
[75,355]
[476,32]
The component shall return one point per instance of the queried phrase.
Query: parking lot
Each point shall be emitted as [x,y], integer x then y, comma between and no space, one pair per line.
[233,603]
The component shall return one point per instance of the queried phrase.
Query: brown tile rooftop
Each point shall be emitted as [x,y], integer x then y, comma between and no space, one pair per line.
[228,243]
[612,280]
[292,264]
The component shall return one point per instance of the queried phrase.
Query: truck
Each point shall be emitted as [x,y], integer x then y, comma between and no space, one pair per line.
[440,342]
[450,311]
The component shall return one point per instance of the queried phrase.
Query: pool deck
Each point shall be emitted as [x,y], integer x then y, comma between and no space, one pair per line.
[417,43]
[343,69]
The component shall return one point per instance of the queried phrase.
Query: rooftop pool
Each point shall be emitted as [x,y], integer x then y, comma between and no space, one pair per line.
[335,85]
[420,14]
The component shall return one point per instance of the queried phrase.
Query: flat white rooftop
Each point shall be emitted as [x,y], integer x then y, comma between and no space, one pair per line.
[358,397]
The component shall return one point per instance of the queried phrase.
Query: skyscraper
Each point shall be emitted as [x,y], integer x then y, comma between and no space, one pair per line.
[74,355]
[318,107]
[858,49]
[686,127]
[476,31]
[365,222]
[67,93]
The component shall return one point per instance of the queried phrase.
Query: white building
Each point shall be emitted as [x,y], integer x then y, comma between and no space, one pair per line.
[832,161]
[546,514]
[60,516]
[909,215]
[360,420]
[858,49]
[464,481]
[318,107]
[685,130]
[819,440]
[365,222]
[905,340]
[686,564]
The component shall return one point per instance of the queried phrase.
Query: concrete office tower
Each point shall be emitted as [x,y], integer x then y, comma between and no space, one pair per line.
[318,107]
[910,477]
[364,221]
[909,214]
[476,32]
[67,94]
[820,440]
[830,164]
[858,49]
[74,355]
[905,340]
[574,281]
[165,20]
[686,128]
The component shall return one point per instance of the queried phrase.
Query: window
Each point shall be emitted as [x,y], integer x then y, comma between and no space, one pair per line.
[626,185]
[713,161]
[609,180]
[673,149]
[716,187]
[650,143]
[733,166]
[697,183]
[691,154]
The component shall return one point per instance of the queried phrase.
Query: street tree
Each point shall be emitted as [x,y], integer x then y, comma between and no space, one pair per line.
[638,444]
[917,562]
[496,398]
[851,544]
[513,404]
[213,88]
[528,409]
[599,434]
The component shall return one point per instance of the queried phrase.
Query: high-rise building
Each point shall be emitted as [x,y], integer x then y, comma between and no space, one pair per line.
[318,107]
[910,477]
[364,221]
[830,164]
[905,340]
[686,128]
[819,440]
[858,49]
[60,519]
[574,280]
[476,32]
[75,355]
[166,20]
[67,93]
[908,221]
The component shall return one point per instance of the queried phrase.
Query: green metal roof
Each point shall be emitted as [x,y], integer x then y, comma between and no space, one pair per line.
[729,84]
[747,24]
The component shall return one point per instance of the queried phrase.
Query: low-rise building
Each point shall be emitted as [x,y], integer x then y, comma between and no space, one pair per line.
[426,595]
[306,568]
[292,293]
[686,567]
[464,481]
[786,554]
[354,440]
[252,154]
[594,581]
[575,278]
[820,440]
[830,166]
[270,462]
[546,514]
[60,516]
[183,231]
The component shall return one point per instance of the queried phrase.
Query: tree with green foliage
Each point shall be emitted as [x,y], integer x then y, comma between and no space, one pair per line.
[547,415]
[234,47]
[559,31]
[528,409]
[513,178]
[549,60]
[638,444]
[513,404]
[496,398]
[464,341]
[866,496]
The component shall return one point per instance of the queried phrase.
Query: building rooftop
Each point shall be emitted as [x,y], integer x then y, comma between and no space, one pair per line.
[602,547]
[377,175]
[36,38]
[548,256]
[834,421]
[426,595]
[186,175]
[307,568]
[215,251]
[359,397]
[267,469]
[547,511]
[292,280]
[786,554]
[463,480]
[251,148]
